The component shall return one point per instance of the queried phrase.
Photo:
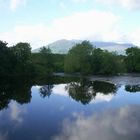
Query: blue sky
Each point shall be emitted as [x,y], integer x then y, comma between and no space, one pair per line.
[45,21]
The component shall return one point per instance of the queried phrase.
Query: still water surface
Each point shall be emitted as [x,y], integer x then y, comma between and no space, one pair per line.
[69,110]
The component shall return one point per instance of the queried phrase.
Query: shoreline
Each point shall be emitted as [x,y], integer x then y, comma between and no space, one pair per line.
[127,78]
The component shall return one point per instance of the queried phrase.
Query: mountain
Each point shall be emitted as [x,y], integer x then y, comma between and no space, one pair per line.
[63,46]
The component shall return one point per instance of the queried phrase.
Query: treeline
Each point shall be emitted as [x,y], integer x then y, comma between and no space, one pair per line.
[87,59]
[83,58]
[15,60]
[18,60]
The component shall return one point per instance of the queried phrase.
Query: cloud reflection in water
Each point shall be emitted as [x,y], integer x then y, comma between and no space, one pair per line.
[100,97]
[16,113]
[119,124]
[3,136]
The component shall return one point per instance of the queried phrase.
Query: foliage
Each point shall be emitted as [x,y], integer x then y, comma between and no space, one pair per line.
[5,59]
[45,50]
[78,58]
[133,59]
[22,58]
[83,58]
[86,59]
[110,64]
[43,62]
[58,60]
[15,60]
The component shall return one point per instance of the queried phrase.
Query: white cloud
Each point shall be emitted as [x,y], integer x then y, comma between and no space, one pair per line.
[91,24]
[14,4]
[34,34]
[60,90]
[94,25]
[135,36]
[100,97]
[122,123]
[16,113]
[128,4]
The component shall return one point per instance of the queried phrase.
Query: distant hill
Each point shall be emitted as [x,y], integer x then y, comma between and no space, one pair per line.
[63,46]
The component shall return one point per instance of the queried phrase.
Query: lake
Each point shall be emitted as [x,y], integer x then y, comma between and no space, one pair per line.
[69,108]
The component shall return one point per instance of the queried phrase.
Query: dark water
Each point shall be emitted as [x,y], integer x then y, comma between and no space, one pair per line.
[68,109]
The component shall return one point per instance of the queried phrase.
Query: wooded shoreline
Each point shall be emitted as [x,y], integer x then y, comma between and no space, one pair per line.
[83,58]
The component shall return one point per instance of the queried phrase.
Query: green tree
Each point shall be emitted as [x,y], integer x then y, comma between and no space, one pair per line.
[5,59]
[47,59]
[133,59]
[45,50]
[78,58]
[22,59]
[111,64]
[104,62]
[22,52]
[43,61]
[96,60]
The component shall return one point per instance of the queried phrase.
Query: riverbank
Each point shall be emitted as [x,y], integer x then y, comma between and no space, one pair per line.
[127,78]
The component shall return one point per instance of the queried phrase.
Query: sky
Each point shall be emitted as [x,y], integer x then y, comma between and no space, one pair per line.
[42,22]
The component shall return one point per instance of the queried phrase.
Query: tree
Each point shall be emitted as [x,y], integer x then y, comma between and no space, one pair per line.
[44,61]
[22,58]
[45,50]
[133,59]
[96,60]
[111,64]
[104,62]
[5,59]
[22,52]
[78,58]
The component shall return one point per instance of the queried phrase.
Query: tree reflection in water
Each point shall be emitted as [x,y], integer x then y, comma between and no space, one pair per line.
[46,90]
[84,91]
[132,88]
[81,90]
[17,89]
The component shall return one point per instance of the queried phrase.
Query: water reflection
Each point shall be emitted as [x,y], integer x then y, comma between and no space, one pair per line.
[106,117]
[85,91]
[46,91]
[16,113]
[19,88]
[14,89]
[117,124]
[80,89]
[3,136]
[132,88]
